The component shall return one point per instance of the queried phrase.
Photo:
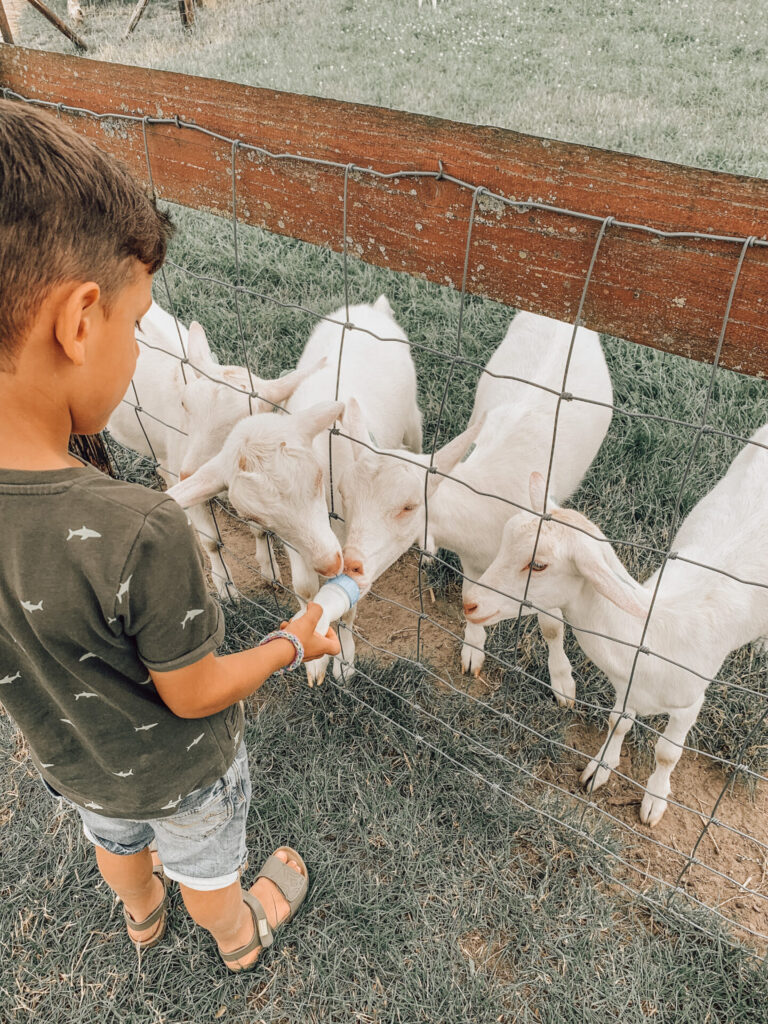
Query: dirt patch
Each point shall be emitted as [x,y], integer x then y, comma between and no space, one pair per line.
[696,783]
[388,620]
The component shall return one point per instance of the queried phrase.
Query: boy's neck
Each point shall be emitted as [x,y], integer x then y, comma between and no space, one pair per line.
[34,435]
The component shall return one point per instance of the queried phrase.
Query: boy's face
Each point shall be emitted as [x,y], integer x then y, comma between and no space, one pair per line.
[112,351]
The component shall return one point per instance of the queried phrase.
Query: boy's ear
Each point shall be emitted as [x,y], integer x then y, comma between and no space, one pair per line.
[72,318]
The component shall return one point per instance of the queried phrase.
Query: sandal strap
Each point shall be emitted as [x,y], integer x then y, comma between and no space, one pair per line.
[157,913]
[291,884]
[262,931]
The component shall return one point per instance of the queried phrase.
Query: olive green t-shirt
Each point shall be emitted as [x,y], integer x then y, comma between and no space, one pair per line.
[101,580]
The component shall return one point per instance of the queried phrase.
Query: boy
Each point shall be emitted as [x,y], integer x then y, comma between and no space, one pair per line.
[107,630]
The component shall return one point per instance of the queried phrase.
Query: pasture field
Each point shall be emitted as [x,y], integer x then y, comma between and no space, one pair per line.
[437,898]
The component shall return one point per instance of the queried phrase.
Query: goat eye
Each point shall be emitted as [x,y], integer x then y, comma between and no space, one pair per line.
[404,511]
[535,567]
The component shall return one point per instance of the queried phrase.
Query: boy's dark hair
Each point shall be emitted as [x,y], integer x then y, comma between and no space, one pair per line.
[67,212]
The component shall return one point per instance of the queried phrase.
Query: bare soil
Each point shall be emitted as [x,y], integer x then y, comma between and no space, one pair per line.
[388,620]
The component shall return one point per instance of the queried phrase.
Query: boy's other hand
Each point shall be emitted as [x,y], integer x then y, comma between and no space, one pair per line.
[315,645]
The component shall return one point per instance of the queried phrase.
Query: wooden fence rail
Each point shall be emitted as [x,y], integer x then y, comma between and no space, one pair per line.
[667,293]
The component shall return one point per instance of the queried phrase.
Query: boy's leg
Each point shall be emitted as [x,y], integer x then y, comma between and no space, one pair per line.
[229,920]
[130,876]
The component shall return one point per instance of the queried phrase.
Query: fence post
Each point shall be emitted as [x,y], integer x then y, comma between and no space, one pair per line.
[5,28]
[60,25]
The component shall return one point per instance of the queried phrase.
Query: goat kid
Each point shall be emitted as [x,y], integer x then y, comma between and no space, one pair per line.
[699,615]
[268,467]
[510,434]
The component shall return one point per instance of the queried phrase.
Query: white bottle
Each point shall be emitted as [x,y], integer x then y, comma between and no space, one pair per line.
[335,597]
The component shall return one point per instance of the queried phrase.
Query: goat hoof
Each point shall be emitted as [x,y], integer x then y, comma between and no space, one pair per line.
[565,692]
[652,810]
[228,593]
[594,776]
[316,671]
[471,661]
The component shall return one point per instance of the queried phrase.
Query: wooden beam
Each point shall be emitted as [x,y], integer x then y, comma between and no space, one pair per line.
[62,26]
[187,13]
[136,16]
[5,28]
[667,293]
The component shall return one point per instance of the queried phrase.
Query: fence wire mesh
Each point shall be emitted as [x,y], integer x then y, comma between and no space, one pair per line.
[667,892]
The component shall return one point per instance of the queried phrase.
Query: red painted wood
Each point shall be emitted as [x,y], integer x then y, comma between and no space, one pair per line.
[669,294]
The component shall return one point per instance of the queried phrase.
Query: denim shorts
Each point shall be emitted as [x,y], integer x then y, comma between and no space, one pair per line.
[202,845]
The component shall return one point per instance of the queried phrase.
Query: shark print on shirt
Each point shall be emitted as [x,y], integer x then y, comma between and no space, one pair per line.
[10,679]
[191,614]
[29,607]
[85,694]
[123,589]
[83,533]
[87,655]
[144,728]
[123,775]
[195,741]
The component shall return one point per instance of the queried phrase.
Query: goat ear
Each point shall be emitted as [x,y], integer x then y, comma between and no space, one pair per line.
[537,486]
[277,392]
[450,455]
[317,418]
[198,349]
[203,484]
[609,577]
[381,305]
[354,425]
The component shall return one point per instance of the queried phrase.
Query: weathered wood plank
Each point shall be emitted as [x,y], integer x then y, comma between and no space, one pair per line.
[5,28]
[667,293]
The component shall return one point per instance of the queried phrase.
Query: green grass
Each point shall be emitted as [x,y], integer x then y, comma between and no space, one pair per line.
[674,80]
[435,898]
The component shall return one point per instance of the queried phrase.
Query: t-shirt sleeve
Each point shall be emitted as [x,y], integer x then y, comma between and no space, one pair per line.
[162,597]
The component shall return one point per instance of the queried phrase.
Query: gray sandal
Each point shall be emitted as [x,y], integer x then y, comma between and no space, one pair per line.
[292,884]
[160,912]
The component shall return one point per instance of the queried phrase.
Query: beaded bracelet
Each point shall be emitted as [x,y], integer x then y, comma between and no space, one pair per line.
[282,634]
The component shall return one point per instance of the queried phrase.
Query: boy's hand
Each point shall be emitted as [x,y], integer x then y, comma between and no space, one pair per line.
[315,646]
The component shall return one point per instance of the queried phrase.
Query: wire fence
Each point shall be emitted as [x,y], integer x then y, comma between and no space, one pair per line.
[668,896]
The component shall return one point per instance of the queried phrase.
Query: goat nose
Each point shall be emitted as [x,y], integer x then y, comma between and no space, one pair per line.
[184,476]
[470,607]
[333,568]
[353,567]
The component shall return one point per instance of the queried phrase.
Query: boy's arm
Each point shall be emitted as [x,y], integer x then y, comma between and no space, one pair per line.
[212,684]
[163,603]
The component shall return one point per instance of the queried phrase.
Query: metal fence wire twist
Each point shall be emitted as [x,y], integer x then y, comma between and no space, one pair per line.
[657,892]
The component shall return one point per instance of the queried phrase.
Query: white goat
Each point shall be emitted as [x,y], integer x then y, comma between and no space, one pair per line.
[182,423]
[381,377]
[699,615]
[512,425]
[274,480]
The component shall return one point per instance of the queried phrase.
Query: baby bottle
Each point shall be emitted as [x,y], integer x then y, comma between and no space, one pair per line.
[335,597]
